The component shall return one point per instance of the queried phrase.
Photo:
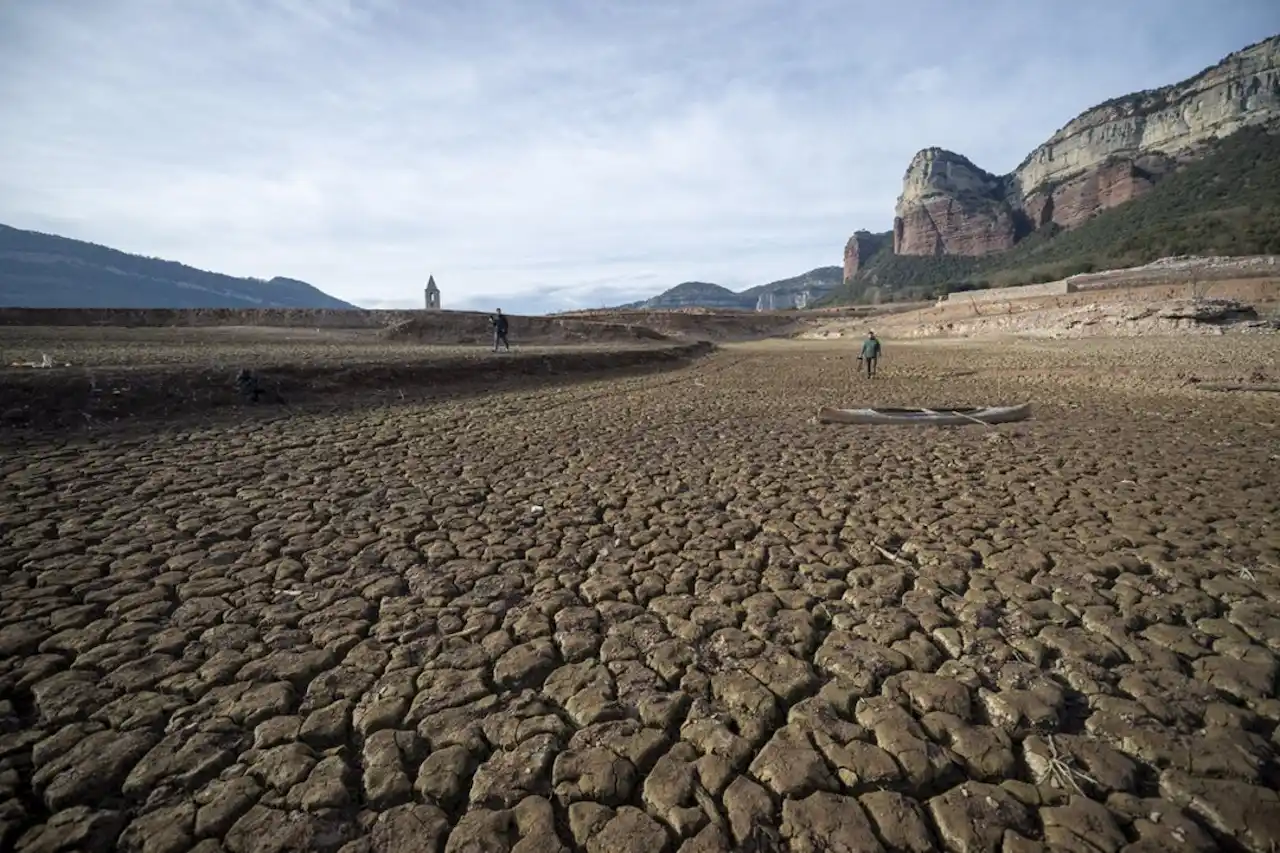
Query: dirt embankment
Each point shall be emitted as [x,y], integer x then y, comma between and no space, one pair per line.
[1181,269]
[705,324]
[1246,305]
[457,327]
[466,327]
[434,327]
[58,398]
[709,324]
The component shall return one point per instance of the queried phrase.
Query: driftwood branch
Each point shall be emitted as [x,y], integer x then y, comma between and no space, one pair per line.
[890,555]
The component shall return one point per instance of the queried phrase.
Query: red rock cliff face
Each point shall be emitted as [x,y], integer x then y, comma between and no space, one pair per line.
[949,206]
[861,246]
[944,226]
[1077,200]
[852,257]
[1103,158]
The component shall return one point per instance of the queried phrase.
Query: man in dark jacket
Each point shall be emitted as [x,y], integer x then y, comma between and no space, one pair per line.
[499,323]
[870,354]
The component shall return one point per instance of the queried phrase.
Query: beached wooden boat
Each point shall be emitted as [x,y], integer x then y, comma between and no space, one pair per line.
[937,416]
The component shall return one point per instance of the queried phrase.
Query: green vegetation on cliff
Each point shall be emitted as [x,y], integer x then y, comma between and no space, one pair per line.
[1225,203]
[887,277]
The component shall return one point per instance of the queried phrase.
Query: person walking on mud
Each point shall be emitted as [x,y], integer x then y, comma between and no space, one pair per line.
[499,323]
[870,354]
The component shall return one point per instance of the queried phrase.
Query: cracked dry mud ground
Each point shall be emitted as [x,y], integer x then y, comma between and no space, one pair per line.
[662,613]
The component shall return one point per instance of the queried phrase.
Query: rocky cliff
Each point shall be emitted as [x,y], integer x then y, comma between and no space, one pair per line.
[1104,157]
[861,246]
[949,206]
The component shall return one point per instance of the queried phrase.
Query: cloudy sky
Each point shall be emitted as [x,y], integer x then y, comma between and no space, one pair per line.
[541,154]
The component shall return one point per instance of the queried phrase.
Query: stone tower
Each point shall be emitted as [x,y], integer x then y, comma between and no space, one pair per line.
[432,294]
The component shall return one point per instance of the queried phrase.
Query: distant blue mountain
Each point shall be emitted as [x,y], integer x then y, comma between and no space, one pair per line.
[784,293]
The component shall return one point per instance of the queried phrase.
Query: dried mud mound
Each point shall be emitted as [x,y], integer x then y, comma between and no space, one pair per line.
[434,327]
[444,327]
[63,397]
[467,328]
[706,324]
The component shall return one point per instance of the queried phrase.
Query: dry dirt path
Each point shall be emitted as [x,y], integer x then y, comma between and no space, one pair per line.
[662,613]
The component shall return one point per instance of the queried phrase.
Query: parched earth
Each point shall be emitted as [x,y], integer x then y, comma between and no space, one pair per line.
[663,613]
[100,377]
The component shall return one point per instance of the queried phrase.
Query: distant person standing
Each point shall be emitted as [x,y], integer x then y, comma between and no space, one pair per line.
[499,323]
[870,354]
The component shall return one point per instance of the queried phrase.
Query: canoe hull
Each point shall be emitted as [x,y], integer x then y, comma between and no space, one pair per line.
[927,417]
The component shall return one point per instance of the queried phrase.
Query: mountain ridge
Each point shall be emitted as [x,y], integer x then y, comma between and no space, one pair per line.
[40,270]
[807,288]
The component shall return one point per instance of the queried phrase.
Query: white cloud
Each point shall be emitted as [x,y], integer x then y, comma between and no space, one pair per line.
[549,155]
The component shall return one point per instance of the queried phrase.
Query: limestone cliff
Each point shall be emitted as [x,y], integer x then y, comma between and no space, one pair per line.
[1104,157]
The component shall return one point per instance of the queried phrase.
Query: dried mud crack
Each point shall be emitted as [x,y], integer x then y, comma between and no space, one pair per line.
[662,613]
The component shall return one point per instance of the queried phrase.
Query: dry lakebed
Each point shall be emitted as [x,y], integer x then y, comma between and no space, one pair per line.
[659,611]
